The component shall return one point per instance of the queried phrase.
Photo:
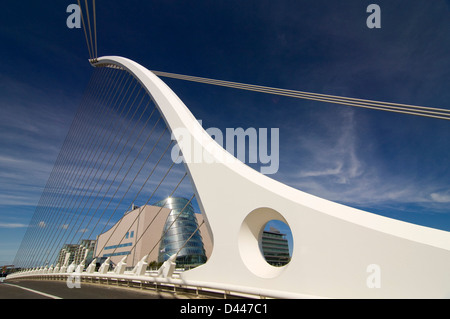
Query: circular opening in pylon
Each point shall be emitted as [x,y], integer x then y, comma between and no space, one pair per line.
[250,242]
[276,243]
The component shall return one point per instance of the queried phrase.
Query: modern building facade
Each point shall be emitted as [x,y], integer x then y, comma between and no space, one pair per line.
[132,235]
[78,252]
[275,247]
[181,234]
[67,248]
[85,251]
[140,232]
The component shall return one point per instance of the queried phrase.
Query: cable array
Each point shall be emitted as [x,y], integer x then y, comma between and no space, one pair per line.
[117,153]
[437,113]
[430,112]
[114,154]
[90,35]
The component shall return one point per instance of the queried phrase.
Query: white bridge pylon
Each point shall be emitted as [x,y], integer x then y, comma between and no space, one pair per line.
[338,251]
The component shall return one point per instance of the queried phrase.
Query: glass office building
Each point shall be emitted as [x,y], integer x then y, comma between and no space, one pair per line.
[179,226]
[275,247]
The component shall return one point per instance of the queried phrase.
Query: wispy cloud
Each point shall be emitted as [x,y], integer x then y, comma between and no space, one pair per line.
[333,157]
[32,127]
[12,225]
[335,164]
[441,197]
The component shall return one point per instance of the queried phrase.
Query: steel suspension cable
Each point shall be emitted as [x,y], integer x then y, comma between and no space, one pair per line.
[148,177]
[78,174]
[65,174]
[438,113]
[173,222]
[45,193]
[132,147]
[106,178]
[95,28]
[187,240]
[89,25]
[53,187]
[86,176]
[91,54]
[156,215]
[142,147]
[86,189]
[142,208]
[74,170]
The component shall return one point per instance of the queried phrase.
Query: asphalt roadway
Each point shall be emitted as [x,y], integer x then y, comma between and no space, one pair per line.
[35,289]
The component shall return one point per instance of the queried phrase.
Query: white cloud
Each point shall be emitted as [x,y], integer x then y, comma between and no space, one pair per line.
[334,164]
[441,197]
[324,172]
[336,155]
[12,225]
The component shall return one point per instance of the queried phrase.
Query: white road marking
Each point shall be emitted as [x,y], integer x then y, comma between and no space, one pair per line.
[35,291]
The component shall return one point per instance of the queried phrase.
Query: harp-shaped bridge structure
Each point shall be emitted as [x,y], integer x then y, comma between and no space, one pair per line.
[338,251]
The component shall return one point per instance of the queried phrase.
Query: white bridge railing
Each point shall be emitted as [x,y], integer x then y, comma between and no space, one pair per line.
[165,279]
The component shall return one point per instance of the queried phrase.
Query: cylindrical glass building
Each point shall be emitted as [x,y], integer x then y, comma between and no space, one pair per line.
[180,225]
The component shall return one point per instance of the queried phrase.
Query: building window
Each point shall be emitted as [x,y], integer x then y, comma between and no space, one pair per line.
[275,245]
[117,254]
[181,225]
[118,246]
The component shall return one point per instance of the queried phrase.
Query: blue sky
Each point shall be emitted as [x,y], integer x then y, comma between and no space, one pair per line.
[390,164]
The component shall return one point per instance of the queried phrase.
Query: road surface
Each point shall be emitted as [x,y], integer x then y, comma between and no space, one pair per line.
[35,289]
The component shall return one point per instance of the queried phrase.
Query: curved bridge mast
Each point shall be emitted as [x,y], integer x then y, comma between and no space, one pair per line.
[337,251]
